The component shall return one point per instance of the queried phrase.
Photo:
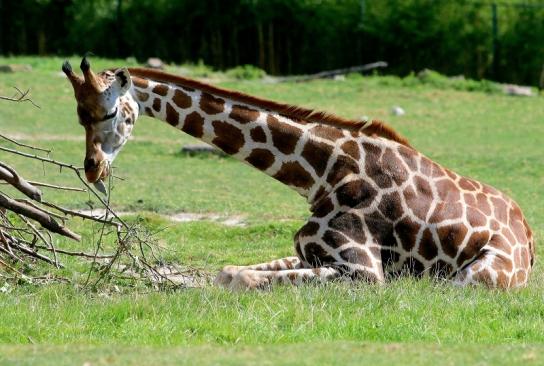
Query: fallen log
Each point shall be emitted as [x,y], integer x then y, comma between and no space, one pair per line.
[333,73]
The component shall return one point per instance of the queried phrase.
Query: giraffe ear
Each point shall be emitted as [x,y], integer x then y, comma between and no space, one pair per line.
[123,80]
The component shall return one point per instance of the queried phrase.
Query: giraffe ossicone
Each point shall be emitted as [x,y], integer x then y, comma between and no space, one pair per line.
[379,207]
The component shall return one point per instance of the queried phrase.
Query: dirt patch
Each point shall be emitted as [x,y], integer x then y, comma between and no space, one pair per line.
[79,138]
[236,220]
[178,275]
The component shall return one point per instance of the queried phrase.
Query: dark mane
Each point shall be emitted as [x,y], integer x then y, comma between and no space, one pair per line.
[376,128]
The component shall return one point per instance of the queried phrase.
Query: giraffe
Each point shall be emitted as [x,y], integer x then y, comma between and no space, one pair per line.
[379,208]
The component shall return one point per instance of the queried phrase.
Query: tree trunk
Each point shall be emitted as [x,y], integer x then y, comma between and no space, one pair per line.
[271,53]
[260,40]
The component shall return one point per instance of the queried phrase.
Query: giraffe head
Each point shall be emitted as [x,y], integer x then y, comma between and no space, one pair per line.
[107,111]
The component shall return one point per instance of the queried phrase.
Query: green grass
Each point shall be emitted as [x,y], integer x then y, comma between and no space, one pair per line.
[496,139]
[345,353]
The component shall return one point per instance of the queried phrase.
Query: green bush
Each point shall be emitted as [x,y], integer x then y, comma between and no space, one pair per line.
[246,72]
[289,36]
[437,80]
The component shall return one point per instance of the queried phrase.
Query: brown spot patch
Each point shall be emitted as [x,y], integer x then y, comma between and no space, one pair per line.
[157,104]
[502,280]
[520,278]
[372,150]
[525,258]
[489,190]
[519,231]
[413,267]
[352,149]
[500,209]
[419,200]
[440,269]
[447,190]
[427,246]
[390,206]
[317,155]
[484,277]
[228,138]
[470,199]
[446,211]
[451,174]
[323,207]
[261,159]
[500,243]
[334,239]
[149,112]
[316,255]
[172,117]
[406,231]
[356,255]
[142,97]
[349,224]
[181,99]
[495,225]
[293,174]
[160,89]
[425,166]
[389,256]
[342,167]
[483,204]
[210,104]
[393,165]
[257,134]
[357,193]
[374,167]
[380,229]
[194,124]
[474,246]
[309,229]
[508,235]
[466,184]
[451,237]
[437,171]
[409,156]
[242,114]
[475,217]
[327,132]
[284,136]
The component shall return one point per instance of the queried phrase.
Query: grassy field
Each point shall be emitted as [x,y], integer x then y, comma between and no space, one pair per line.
[493,138]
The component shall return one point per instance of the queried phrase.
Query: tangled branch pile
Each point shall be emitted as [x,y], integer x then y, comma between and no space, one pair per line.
[28,225]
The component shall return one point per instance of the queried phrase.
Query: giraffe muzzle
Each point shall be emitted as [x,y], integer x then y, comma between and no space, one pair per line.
[96,172]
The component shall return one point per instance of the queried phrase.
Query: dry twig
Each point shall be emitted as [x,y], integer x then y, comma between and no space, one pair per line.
[134,254]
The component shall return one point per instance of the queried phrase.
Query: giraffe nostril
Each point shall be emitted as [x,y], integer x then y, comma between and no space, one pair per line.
[89,163]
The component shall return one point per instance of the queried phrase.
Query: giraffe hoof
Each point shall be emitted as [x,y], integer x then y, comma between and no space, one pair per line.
[225,277]
[249,280]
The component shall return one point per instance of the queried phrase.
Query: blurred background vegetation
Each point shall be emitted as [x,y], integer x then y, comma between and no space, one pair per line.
[291,36]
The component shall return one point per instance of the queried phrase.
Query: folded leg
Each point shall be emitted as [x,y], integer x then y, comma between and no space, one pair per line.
[225,277]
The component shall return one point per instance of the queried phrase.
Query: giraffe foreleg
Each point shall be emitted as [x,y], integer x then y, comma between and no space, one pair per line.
[225,277]
[255,279]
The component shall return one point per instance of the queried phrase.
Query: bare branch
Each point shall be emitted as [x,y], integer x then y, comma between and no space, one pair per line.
[82,215]
[9,174]
[21,97]
[24,145]
[78,254]
[62,188]
[45,220]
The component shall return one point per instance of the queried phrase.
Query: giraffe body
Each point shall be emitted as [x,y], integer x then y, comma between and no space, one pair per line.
[379,207]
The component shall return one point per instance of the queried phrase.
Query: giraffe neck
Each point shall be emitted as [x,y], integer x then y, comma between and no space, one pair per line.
[291,150]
